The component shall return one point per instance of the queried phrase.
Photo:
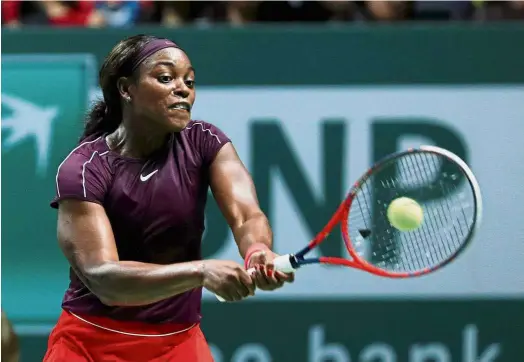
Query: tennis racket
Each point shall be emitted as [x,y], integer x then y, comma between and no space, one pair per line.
[438,181]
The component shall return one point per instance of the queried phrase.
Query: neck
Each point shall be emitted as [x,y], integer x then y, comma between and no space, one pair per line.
[131,140]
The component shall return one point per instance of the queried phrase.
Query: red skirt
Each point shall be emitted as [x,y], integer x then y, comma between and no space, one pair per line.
[80,338]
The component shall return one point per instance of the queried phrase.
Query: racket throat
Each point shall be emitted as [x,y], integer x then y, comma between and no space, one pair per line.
[293,260]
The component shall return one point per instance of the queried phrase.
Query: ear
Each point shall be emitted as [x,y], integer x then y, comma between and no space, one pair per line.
[123,85]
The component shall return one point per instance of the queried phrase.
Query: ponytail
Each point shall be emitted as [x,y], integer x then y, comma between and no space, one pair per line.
[100,119]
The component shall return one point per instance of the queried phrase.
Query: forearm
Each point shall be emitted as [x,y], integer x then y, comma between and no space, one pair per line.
[254,230]
[128,283]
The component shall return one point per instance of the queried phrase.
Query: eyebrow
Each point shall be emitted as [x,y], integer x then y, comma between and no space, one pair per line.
[170,63]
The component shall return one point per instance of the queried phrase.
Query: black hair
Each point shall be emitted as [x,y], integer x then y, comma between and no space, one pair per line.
[106,114]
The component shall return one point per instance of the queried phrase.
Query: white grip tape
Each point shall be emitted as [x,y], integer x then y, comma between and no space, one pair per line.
[282,263]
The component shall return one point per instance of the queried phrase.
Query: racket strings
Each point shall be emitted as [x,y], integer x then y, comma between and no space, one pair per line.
[432,220]
[439,186]
[457,235]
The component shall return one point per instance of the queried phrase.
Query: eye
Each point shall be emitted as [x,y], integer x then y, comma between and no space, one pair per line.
[165,79]
[190,83]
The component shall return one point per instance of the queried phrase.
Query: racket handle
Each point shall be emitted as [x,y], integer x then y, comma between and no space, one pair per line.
[282,263]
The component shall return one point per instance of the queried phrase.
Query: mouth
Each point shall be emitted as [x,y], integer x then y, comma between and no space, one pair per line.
[181,106]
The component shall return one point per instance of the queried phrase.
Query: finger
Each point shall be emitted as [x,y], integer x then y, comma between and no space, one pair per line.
[247,282]
[230,287]
[268,274]
[272,279]
[275,283]
[261,281]
[271,273]
[234,291]
[236,287]
[245,278]
[261,277]
[225,296]
[258,258]
[243,290]
[270,270]
[285,277]
[228,294]
[238,293]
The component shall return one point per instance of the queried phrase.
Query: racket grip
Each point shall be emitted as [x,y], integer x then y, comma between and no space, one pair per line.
[282,263]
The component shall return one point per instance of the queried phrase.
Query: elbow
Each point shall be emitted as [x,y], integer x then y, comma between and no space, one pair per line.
[111,297]
[112,302]
[117,297]
[117,300]
[103,284]
[108,298]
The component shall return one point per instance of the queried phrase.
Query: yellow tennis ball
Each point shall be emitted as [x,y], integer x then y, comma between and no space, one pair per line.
[405,214]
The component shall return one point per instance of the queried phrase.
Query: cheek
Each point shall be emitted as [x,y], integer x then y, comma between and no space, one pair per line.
[152,98]
[147,105]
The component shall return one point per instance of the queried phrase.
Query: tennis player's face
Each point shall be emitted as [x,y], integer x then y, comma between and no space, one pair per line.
[165,91]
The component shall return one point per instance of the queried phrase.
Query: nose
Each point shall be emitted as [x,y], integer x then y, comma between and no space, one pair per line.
[181,89]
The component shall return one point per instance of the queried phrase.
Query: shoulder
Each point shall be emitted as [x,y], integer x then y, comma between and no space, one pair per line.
[86,152]
[206,139]
[84,173]
[203,130]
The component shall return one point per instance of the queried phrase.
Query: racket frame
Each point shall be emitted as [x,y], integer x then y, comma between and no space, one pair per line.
[341,216]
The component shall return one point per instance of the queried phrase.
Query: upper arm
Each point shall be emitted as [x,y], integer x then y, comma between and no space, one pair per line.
[233,187]
[84,232]
[229,179]
[85,236]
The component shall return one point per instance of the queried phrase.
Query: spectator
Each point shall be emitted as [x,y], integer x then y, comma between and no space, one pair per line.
[241,12]
[442,10]
[71,13]
[387,10]
[11,13]
[119,13]
[499,10]
[167,13]
[340,10]
[306,11]
[122,13]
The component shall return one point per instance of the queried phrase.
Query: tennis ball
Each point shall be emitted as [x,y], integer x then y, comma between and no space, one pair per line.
[405,214]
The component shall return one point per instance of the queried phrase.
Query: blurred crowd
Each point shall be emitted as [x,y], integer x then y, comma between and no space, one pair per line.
[237,13]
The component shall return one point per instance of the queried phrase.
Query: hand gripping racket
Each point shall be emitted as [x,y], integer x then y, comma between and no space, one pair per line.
[438,181]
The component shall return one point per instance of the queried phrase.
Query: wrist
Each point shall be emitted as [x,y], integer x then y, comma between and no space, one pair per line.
[200,272]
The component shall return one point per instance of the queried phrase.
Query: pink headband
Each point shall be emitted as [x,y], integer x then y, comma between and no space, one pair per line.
[152,47]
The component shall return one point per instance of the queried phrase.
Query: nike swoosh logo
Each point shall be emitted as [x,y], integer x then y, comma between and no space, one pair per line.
[147,177]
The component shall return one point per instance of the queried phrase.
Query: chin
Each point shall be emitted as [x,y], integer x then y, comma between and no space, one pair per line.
[178,124]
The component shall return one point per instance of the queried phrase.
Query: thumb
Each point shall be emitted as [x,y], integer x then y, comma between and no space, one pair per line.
[261,257]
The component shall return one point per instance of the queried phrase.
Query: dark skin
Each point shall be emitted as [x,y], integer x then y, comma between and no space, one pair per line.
[10,346]
[84,231]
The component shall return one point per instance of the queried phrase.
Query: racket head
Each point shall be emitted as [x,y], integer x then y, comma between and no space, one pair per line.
[450,222]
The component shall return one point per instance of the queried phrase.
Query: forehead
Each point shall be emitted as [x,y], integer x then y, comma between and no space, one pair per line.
[165,56]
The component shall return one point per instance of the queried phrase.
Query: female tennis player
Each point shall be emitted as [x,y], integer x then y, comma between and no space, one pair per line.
[131,199]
